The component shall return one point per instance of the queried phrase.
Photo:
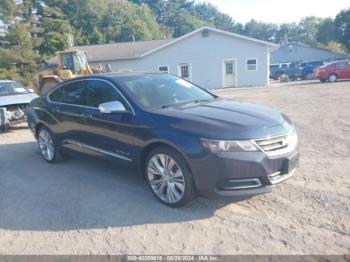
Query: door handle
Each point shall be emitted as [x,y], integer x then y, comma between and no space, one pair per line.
[86,115]
[55,110]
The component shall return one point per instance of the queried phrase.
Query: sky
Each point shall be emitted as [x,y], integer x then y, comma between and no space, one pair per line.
[278,11]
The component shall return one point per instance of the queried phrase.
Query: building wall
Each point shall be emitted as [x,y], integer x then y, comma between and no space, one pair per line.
[300,53]
[206,55]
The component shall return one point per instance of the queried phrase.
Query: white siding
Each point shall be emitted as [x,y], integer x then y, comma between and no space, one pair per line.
[206,55]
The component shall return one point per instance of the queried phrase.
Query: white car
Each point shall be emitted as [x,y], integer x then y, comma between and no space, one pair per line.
[14,99]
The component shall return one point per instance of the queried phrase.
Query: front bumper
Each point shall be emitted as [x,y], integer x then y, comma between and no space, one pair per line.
[242,174]
[8,117]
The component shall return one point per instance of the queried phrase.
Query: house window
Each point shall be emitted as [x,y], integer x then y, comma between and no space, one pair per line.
[163,69]
[184,71]
[229,68]
[252,64]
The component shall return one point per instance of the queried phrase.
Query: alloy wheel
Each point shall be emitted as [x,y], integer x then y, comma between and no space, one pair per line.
[166,178]
[46,145]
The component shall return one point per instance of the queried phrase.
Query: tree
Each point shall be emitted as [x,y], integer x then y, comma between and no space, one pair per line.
[19,57]
[101,21]
[55,30]
[342,25]
[326,31]
[174,16]
[308,29]
[126,22]
[260,30]
[210,14]
[287,32]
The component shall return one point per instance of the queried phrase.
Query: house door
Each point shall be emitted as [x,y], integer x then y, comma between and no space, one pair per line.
[229,73]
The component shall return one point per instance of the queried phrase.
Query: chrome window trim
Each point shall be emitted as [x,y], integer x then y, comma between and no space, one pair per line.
[87,79]
[96,149]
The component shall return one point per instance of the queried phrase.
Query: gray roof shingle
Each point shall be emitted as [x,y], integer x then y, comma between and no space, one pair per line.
[119,51]
[129,50]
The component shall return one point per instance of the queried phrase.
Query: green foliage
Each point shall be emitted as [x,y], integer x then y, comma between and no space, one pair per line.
[308,29]
[260,30]
[326,31]
[105,21]
[18,55]
[342,25]
[212,16]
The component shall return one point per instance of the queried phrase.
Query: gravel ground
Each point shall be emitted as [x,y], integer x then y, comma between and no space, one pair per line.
[94,207]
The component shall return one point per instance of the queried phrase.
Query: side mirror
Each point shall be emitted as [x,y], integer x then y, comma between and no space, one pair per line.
[112,107]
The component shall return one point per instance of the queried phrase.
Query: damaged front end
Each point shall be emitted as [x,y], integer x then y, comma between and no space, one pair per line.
[12,114]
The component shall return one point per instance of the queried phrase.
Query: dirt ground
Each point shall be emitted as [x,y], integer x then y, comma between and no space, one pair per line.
[94,207]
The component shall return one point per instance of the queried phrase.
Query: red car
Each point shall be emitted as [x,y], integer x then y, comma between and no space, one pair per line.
[333,71]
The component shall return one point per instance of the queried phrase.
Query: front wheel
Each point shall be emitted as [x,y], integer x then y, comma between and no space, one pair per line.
[48,146]
[169,177]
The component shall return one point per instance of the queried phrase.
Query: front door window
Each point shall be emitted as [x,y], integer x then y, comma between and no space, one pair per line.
[229,73]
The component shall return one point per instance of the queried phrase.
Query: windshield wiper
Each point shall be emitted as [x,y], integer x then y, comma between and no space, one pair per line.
[186,102]
[203,100]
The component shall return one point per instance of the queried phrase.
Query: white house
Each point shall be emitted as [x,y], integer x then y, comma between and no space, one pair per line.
[209,57]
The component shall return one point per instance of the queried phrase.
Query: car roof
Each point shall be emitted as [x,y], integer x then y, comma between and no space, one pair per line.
[113,76]
[334,62]
[340,61]
[313,61]
[7,81]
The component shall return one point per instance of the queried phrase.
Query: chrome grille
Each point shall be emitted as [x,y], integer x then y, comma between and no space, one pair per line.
[277,145]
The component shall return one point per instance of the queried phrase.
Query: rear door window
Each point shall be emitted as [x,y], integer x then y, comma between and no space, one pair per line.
[72,93]
[55,96]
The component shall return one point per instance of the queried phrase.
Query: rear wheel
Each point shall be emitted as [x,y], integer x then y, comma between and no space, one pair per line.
[169,177]
[332,78]
[48,146]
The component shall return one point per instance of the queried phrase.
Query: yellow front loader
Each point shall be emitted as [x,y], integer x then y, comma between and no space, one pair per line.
[64,66]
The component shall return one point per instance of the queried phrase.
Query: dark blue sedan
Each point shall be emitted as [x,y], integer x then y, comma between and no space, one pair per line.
[184,140]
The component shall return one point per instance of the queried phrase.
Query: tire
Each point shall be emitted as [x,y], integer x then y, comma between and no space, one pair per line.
[309,76]
[174,187]
[332,78]
[48,147]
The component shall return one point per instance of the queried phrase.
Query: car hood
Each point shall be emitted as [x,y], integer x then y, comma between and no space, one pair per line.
[17,99]
[221,118]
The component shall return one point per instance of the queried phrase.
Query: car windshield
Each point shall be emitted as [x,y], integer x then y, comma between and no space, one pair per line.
[12,88]
[156,91]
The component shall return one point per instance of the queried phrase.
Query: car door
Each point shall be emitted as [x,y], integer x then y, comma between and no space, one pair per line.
[66,105]
[343,70]
[107,133]
[347,70]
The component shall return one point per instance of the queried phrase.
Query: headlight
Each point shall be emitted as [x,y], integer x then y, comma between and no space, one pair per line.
[228,146]
[293,138]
